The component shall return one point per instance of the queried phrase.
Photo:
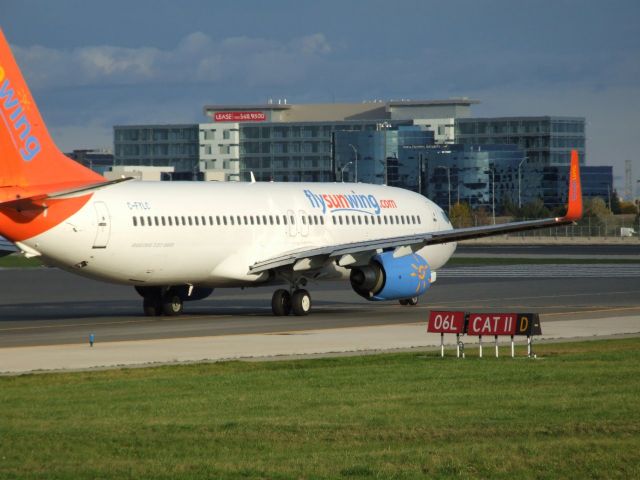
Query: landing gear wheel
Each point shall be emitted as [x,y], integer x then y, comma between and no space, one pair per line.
[301,302]
[408,301]
[281,303]
[172,304]
[151,307]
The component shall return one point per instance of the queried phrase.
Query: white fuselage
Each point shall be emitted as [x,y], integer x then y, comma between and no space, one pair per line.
[209,234]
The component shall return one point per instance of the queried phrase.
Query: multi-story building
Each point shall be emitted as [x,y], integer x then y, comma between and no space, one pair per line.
[100,161]
[201,151]
[389,155]
[289,142]
[546,140]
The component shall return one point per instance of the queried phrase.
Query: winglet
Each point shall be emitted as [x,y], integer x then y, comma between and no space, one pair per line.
[574,209]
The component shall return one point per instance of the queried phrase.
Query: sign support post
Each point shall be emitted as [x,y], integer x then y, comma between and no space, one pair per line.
[480,342]
[442,345]
[513,348]
[496,340]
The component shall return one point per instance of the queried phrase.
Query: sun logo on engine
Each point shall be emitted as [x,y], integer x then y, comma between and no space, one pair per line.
[420,272]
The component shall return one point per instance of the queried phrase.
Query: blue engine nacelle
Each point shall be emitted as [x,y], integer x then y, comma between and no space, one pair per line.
[388,278]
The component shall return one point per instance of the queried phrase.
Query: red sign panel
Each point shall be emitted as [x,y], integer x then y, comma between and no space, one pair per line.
[240,117]
[446,322]
[492,324]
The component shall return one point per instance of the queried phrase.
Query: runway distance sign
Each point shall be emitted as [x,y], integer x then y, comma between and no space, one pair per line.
[492,324]
[446,322]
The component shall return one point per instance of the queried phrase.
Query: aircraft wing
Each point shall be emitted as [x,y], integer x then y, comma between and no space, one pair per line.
[359,252]
[6,247]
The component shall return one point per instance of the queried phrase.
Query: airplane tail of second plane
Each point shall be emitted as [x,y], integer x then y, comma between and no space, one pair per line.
[29,160]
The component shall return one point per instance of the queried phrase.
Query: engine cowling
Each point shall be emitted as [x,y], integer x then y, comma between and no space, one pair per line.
[389,278]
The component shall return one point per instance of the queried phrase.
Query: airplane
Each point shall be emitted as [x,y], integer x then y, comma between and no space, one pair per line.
[177,241]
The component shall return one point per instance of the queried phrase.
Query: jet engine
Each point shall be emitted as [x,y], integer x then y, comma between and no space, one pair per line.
[389,278]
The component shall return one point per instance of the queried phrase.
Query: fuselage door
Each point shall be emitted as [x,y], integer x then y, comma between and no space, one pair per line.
[302,221]
[104,225]
[291,221]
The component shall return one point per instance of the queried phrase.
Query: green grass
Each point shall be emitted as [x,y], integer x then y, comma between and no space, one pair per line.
[573,413]
[18,261]
[471,261]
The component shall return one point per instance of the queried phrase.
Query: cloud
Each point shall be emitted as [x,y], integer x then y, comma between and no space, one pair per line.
[196,58]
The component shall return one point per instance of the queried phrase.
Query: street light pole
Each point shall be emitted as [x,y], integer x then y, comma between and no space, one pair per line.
[519,198]
[342,171]
[420,173]
[448,169]
[355,152]
[493,194]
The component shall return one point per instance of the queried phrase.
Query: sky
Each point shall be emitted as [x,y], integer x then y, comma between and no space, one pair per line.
[94,64]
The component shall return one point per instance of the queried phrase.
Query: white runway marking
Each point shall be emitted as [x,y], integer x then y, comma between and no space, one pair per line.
[601,270]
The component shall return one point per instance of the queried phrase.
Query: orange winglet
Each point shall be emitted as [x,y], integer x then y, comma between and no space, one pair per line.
[574,209]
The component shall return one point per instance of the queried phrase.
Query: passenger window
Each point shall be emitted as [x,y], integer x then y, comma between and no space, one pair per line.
[204,220]
[340,219]
[190,221]
[231,219]
[246,220]
[184,222]
[135,222]
[264,219]
[284,219]
[304,220]
[257,219]
[142,221]
[379,220]
[239,220]
[391,219]
[321,220]
[359,220]
[270,219]
[210,220]
[169,221]
[162,221]
[293,220]
[224,219]
[334,220]
[149,222]
[195,220]
[251,219]
[277,219]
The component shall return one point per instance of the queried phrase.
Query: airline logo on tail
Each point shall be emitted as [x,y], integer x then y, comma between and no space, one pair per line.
[13,108]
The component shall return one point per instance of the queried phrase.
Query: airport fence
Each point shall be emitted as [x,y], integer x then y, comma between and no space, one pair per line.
[605,227]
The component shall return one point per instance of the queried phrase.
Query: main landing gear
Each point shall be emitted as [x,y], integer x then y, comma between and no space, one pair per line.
[158,301]
[408,301]
[283,303]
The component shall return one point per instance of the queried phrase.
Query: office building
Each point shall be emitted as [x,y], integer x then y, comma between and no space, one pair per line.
[546,140]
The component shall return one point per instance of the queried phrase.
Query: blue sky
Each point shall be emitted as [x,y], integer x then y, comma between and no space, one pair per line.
[93,64]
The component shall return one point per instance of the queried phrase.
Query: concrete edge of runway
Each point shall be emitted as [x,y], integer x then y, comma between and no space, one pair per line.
[339,342]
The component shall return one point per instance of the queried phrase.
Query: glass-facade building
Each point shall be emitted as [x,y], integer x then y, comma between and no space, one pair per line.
[480,175]
[546,140]
[296,152]
[389,155]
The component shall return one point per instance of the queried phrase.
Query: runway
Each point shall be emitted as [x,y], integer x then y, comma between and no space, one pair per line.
[51,307]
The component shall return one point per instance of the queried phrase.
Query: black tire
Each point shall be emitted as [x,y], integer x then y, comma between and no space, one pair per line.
[281,303]
[301,302]
[413,301]
[172,305]
[403,301]
[151,307]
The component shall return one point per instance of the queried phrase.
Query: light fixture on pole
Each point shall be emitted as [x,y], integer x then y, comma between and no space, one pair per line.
[355,152]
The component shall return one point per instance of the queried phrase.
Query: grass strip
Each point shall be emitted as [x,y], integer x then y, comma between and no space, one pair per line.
[573,413]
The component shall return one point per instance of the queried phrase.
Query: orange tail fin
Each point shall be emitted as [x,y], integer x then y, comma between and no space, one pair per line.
[29,160]
[574,208]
